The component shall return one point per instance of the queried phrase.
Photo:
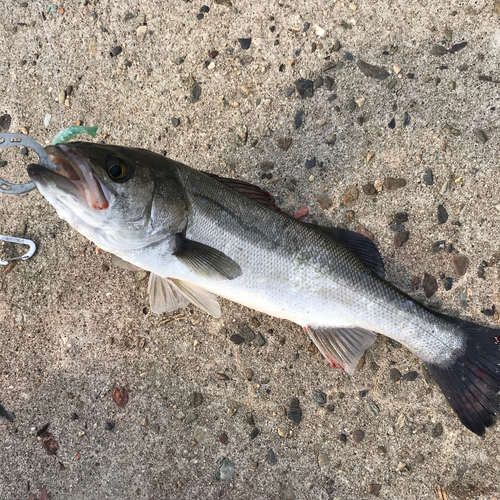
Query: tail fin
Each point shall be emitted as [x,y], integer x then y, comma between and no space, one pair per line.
[472,382]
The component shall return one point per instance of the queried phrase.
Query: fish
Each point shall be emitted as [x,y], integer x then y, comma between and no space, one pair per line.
[201,236]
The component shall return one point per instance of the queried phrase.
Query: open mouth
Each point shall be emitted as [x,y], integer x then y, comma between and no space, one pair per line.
[74,167]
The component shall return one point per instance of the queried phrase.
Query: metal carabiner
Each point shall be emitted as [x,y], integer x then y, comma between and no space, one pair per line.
[8,140]
[21,241]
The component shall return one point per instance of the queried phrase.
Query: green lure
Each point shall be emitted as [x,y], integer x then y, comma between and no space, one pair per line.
[68,133]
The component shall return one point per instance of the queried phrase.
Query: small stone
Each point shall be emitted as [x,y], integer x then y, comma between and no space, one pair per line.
[350,196]
[141,275]
[247,374]
[319,397]
[480,135]
[358,435]
[305,88]
[271,457]
[343,438]
[236,339]
[324,201]
[395,375]
[311,163]
[318,82]
[225,470]
[362,230]
[249,419]
[444,188]
[438,50]
[430,285]
[438,246]
[245,43]
[200,435]
[241,132]
[282,432]
[115,51]
[460,264]
[180,415]
[141,33]
[394,183]
[437,430]
[175,122]
[392,123]
[406,119]
[190,418]
[374,489]
[195,93]
[448,283]
[372,71]
[196,399]
[254,433]
[369,156]
[144,421]
[260,340]
[401,238]
[369,189]
[246,332]
[442,214]
[378,185]
[178,60]
[284,144]
[298,120]
[410,376]
[428,177]
[349,215]
[352,105]
[323,459]
[328,82]
[295,412]
[109,426]
[403,468]
[331,139]
[221,376]
[400,217]
[458,47]
[360,102]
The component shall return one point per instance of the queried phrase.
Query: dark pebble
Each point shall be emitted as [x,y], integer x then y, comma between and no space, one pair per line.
[392,123]
[400,217]
[254,433]
[374,367]
[205,9]
[223,438]
[328,81]
[196,399]
[213,54]
[480,135]
[489,312]
[397,228]
[443,67]
[348,56]
[3,163]
[352,105]
[74,416]
[115,51]
[428,177]
[128,16]
[307,26]
[442,214]
[245,43]
[358,435]
[23,4]
[410,376]
[105,267]
[438,50]
[289,92]
[305,88]
[329,408]
[382,450]
[437,430]
[311,163]
[318,82]
[339,65]
[200,16]
[336,46]
[458,47]
[430,285]
[298,120]
[284,144]
[395,375]
[369,189]
[448,283]
[343,438]
[236,339]
[372,71]
[246,332]
[109,426]
[297,53]
[195,93]
[463,67]
[295,412]
[410,76]
[175,122]
[438,246]
[24,150]
[401,238]
[271,457]
[406,119]
[259,339]
[460,264]
[313,47]
[329,65]
[450,248]
[282,66]
[319,397]
[374,489]
[363,394]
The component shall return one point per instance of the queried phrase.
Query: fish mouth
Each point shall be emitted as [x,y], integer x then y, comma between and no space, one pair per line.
[79,179]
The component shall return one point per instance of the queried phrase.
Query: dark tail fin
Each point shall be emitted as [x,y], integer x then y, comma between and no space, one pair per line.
[472,382]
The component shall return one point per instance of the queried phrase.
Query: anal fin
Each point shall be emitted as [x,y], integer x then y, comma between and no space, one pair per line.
[199,297]
[343,346]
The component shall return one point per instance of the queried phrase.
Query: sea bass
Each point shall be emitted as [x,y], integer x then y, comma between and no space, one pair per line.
[201,235]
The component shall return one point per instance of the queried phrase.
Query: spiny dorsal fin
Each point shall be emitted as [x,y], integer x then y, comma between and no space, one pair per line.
[204,260]
[361,246]
[249,190]
[343,346]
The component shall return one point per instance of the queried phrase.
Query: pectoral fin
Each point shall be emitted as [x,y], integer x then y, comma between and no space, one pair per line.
[204,260]
[343,346]
[164,296]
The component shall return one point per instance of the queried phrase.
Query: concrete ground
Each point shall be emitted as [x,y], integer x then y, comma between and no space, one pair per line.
[73,330]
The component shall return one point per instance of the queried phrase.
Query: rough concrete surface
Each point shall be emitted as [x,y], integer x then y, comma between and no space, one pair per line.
[71,331]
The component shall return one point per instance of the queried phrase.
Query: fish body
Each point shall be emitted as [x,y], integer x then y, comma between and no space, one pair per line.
[201,236]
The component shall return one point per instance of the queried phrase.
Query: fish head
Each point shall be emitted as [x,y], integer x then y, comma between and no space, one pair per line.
[110,194]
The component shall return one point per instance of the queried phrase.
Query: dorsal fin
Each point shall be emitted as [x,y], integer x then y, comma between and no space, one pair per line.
[250,190]
[361,246]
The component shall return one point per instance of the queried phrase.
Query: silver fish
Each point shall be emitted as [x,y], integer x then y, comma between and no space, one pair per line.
[201,235]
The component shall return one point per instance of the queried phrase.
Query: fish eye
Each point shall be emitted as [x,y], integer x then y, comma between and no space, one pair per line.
[118,169]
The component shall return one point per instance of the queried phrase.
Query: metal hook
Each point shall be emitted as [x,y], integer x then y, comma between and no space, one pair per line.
[21,241]
[6,141]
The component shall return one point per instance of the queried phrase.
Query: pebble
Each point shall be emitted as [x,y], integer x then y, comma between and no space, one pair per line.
[372,71]
[438,246]
[245,43]
[448,283]
[180,415]
[318,82]
[438,50]
[178,60]
[462,299]
[444,188]
[480,135]
[343,438]
[289,92]
[369,189]
[175,122]
[349,215]
[319,397]
[401,238]
[141,275]
[358,435]
[350,196]
[236,339]
[254,433]
[352,105]
[324,201]
[395,375]
[141,33]
[430,285]
[200,435]
[348,56]
[374,489]
[195,399]
[460,264]
[246,332]
[400,217]
[410,376]
[442,214]
[360,102]
[496,8]
[247,374]
[328,82]
[392,123]
[282,432]
[393,183]
[241,132]
[458,47]
[225,470]
[295,412]
[190,418]
[331,139]
[311,163]
[249,419]
[115,51]
[437,430]
[323,459]
[271,457]
[260,340]
[428,177]
[305,88]
[397,228]
[223,438]
[195,93]
[109,426]
[284,144]
[298,120]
